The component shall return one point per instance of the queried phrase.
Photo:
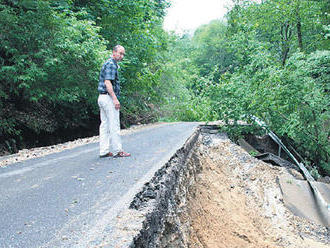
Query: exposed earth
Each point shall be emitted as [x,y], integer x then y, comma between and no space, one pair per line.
[237,202]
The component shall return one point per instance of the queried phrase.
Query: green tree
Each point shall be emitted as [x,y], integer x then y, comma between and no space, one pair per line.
[275,73]
[287,25]
[51,53]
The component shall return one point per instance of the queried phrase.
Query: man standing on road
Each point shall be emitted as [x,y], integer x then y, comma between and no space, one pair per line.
[109,90]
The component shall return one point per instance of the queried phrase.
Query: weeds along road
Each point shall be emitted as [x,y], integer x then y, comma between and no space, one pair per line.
[52,201]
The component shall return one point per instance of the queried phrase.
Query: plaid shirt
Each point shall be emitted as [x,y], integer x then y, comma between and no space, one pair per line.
[109,71]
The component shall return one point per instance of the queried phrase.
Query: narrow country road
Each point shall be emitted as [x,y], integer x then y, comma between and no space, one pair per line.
[53,201]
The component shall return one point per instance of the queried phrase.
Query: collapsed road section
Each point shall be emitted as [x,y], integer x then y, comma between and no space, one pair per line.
[212,193]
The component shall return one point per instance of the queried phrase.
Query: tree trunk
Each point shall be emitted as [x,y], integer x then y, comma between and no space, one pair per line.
[300,42]
[285,52]
[298,25]
[285,37]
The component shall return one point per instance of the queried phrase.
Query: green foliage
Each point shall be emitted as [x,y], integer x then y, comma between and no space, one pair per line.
[294,100]
[263,63]
[47,60]
[253,153]
[212,49]
[269,59]
[286,24]
[182,87]
[51,53]
[314,172]
[137,25]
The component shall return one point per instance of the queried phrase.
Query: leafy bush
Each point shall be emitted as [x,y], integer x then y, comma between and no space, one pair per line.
[48,61]
[264,62]
[50,56]
[294,101]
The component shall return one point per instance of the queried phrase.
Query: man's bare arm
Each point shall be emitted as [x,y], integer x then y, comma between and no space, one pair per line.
[108,84]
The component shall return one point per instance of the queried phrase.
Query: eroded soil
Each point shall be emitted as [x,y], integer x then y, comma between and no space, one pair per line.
[237,202]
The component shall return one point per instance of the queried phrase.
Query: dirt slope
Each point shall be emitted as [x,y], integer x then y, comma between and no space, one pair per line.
[237,202]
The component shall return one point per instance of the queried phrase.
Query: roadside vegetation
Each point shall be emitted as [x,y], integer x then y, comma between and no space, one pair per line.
[270,60]
[50,56]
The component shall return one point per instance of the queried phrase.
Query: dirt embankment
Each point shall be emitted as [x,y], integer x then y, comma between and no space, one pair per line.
[219,197]
[236,202]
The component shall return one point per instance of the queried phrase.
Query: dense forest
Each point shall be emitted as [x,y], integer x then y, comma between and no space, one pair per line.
[269,59]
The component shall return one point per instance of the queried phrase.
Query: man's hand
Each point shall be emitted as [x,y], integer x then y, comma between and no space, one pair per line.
[117,104]
[112,94]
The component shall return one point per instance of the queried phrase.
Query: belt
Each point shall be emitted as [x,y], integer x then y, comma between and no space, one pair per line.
[104,93]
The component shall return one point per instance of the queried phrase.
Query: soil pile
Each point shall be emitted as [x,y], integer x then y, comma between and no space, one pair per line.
[237,202]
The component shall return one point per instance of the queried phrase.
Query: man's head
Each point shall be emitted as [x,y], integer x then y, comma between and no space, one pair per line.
[118,53]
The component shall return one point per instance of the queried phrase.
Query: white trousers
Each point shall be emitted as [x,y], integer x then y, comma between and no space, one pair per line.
[110,126]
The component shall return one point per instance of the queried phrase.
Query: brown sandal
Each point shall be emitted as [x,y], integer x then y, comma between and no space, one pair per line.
[109,154]
[122,154]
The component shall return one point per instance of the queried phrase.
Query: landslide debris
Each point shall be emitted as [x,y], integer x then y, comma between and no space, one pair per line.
[237,202]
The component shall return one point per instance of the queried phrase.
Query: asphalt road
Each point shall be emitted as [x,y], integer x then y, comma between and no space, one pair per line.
[56,200]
